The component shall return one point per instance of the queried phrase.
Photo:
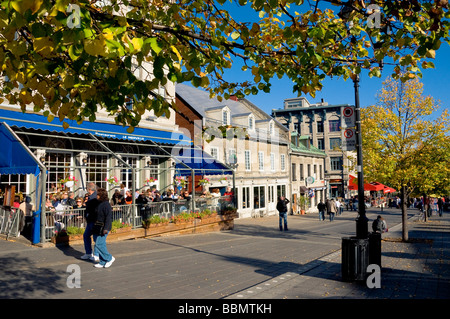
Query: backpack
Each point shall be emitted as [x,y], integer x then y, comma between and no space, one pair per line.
[378,225]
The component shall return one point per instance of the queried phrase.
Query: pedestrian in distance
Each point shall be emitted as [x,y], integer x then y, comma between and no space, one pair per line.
[102,227]
[440,205]
[331,208]
[282,211]
[338,207]
[91,217]
[379,225]
[321,207]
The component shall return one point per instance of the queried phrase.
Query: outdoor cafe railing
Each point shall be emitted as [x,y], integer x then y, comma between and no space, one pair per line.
[64,219]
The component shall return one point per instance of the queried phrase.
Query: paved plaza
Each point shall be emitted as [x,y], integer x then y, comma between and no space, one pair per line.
[253,261]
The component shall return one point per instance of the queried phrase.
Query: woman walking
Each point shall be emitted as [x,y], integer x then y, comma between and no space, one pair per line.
[102,227]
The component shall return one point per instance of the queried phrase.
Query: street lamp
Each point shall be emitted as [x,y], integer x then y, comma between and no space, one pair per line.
[361,220]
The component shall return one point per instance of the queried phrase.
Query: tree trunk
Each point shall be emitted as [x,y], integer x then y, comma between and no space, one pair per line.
[404,208]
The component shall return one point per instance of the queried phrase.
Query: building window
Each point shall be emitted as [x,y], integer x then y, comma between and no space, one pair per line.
[281,190]
[245,197]
[335,143]
[335,125]
[248,165]
[336,163]
[271,194]
[127,174]
[17,180]
[62,160]
[215,152]
[302,176]
[320,172]
[283,162]
[272,162]
[96,173]
[259,197]
[320,144]
[271,128]
[232,157]
[225,117]
[320,127]
[261,161]
[294,174]
[250,123]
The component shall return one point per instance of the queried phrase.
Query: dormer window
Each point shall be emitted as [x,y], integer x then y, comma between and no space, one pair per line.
[271,128]
[251,123]
[225,117]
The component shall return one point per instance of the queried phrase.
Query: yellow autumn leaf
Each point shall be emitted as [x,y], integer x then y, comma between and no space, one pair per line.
[174,49]
[95,47]
[44,46]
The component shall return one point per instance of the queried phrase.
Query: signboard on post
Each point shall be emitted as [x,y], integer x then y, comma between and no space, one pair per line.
[349,128]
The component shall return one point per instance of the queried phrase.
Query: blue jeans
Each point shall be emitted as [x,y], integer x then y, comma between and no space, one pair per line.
[87,238]
[101,250]
[321,216]
[283,217]
[331,217]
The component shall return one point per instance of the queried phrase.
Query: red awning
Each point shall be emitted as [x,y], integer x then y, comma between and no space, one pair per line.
[388,190]
[373,187]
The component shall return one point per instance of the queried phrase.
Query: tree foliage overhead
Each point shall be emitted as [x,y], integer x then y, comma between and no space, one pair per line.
[70,58]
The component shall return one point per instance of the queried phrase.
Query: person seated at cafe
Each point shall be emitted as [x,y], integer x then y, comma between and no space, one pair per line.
[229,194]
[16,202]
[128,198]
[185,195]
[71,199]
[64,198]
[157,196]
[117,198]
[79,203]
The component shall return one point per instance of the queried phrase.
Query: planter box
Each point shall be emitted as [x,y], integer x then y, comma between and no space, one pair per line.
[197,225]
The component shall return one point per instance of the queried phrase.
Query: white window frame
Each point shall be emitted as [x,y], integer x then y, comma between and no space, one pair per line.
[216,150]
[248,160]
[261,161]
[272,162]
[283,162]
[225,117]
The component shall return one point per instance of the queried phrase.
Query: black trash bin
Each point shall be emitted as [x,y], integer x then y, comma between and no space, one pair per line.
[355,258]
[375,248]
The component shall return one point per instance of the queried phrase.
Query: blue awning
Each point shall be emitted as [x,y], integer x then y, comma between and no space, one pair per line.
[40,122]
[202,163]
[14,158]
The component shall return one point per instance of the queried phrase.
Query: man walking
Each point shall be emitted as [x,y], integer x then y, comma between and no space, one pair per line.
[321,207]
[91,217]
[331,209]
[282,210]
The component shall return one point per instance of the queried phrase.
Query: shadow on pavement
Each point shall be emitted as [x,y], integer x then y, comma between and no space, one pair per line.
[18,280]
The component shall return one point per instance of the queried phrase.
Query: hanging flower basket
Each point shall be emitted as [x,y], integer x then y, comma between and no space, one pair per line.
[180,182]
[150,181]
[68,181]
[203,182]
[113,181]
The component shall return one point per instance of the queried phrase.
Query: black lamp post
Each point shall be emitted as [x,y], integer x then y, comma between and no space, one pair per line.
[361,220]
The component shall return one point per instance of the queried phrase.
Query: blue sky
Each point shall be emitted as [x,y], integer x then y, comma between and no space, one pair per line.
[338,91]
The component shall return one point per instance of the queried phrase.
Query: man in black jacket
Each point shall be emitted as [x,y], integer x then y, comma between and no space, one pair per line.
[282,210]
[91,217]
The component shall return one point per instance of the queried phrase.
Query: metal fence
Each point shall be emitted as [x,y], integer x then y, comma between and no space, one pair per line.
[63,219]
[10,221]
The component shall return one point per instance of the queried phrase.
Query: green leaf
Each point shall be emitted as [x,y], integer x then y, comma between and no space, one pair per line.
[154,45]
[235,35]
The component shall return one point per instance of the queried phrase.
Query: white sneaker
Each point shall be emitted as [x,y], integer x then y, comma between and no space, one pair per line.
[95,259]
[86,256]
[98,266]
[109,263]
